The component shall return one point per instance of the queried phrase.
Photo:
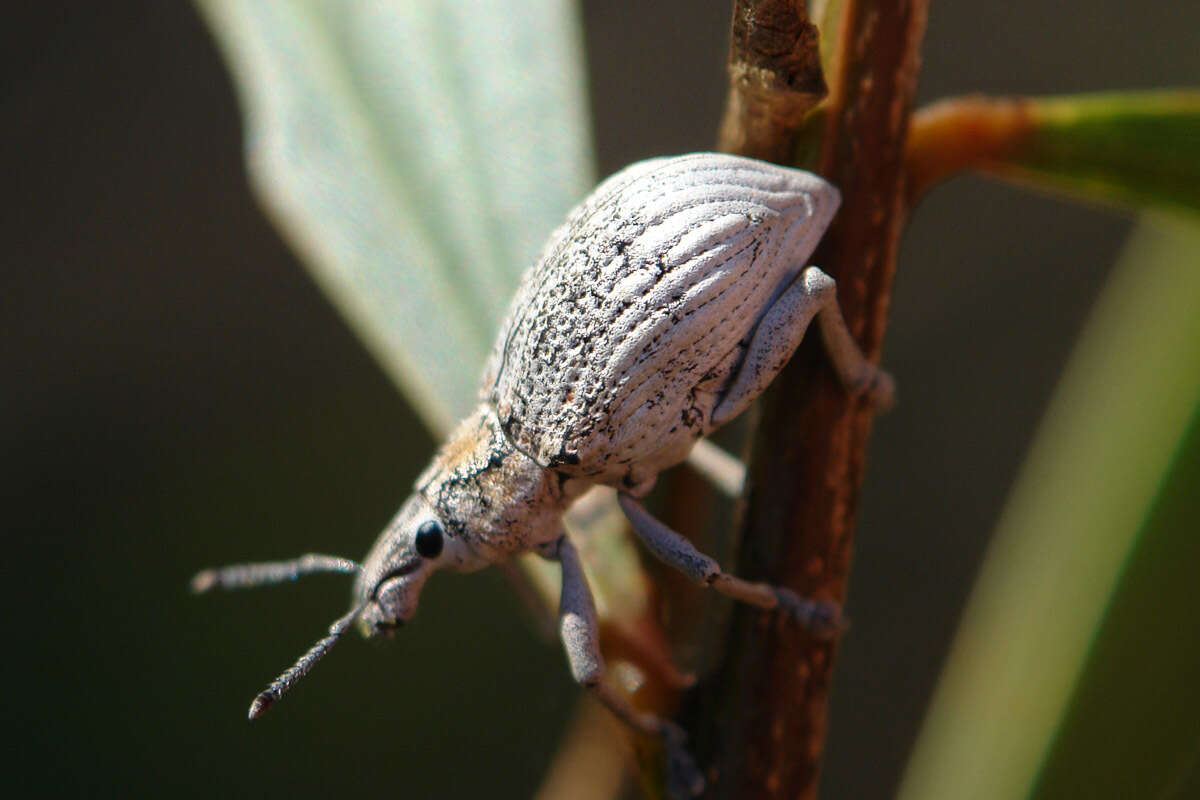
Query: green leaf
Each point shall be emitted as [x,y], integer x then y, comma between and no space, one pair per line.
[1096,529]
[1140,148]
[1133,726]
[416,154]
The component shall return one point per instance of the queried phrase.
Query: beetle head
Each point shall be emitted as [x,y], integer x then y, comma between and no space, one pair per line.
[413,545]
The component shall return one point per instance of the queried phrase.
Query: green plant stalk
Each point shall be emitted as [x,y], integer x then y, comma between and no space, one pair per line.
[1096,466]
[1139,148]
[1130,148]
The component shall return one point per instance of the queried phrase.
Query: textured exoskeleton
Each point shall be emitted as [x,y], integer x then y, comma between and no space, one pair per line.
[659,311]
[625,338]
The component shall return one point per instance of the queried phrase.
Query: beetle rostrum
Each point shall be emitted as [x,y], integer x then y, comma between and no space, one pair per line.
[664,305]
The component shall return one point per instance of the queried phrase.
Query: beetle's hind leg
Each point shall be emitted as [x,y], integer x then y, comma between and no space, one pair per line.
[811,294]
[820,617]
[580,633]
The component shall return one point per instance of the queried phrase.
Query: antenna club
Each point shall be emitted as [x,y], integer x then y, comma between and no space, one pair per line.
[203,581]
[262,704]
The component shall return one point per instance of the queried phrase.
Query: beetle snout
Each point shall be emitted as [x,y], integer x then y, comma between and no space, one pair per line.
[394,602]
[375,622]
[385,627]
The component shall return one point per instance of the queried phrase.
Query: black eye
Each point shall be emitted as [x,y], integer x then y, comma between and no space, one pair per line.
[429,539]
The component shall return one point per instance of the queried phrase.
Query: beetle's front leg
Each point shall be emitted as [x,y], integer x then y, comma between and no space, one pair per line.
[821,618]
[580,632]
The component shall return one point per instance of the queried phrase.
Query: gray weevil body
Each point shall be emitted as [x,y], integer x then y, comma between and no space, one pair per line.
[659,311]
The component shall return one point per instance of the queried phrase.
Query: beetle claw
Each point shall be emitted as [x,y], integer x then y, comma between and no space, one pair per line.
[684,780]
[822,617]
[881,393]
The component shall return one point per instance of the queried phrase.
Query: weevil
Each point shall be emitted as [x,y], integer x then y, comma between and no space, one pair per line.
[664,305]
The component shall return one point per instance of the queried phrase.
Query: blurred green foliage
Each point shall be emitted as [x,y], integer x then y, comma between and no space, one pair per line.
[1100,506]
[1137,148]
[1131,727]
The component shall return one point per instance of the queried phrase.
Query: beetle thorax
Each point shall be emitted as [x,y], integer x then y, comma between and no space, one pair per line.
[486,491]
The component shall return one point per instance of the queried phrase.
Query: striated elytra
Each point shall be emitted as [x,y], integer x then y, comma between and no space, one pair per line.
[662,307]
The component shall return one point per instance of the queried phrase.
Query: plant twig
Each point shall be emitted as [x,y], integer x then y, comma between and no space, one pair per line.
[775,78]
[760,720]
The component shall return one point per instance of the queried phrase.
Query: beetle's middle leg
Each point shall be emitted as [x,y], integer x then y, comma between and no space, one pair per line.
[811,294]
[723,470]
[580,633]
[675,550]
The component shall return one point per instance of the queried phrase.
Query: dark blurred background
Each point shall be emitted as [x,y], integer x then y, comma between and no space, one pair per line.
[176,393]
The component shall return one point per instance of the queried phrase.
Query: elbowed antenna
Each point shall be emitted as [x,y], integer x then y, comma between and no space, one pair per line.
[267,697]
[245,576]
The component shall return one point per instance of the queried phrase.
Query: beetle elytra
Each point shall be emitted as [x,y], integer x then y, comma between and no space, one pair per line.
[659,311]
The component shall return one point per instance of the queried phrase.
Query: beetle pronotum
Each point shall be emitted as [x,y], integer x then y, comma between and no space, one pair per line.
[658,312]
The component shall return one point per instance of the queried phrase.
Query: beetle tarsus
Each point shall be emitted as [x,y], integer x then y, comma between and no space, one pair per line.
[684,779]
[823,618]
[879,388]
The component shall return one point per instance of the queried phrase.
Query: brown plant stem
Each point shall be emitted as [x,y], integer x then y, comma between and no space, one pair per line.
[775,78]
[759,721]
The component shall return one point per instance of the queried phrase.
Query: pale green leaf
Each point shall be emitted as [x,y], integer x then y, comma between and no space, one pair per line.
[416,154]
